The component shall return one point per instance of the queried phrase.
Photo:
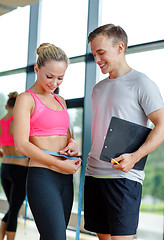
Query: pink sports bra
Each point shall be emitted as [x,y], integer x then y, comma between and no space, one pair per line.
[48,122]
[6,139]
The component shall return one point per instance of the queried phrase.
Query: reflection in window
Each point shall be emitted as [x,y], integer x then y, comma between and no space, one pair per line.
[64,23]
[14,38]
[9,84]
[3,99]
[142,20]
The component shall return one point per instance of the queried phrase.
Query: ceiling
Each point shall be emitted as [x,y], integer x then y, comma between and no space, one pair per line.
[9,5]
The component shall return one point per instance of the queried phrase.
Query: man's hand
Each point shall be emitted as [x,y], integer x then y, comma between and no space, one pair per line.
[126,162]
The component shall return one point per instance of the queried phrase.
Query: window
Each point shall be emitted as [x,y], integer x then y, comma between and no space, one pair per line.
[76,127]
[150,63]
[13,48]
[11,83]
[74,79]
[142,20]
[64,23]
[14,39]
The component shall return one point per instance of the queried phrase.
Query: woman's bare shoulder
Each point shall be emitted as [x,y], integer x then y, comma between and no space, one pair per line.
[26,100]
[25,96]
[62,99]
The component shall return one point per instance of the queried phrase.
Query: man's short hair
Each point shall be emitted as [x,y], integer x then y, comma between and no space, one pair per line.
[110,30]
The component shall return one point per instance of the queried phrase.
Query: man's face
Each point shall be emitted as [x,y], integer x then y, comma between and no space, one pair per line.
[105,53]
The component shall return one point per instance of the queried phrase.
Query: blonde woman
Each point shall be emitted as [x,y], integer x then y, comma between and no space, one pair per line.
[41,131]
[13,172]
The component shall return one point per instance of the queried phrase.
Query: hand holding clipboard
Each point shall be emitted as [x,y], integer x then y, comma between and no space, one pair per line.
[124,137]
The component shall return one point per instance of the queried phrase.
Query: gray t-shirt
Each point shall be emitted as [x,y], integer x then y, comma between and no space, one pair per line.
[131,97]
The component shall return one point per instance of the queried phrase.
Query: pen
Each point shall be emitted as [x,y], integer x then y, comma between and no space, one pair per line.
[114,161]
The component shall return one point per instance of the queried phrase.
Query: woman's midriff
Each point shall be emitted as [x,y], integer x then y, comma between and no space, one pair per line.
[10,150]
[51,143]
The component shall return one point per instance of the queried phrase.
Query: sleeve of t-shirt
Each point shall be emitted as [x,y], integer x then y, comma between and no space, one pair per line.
[149,95]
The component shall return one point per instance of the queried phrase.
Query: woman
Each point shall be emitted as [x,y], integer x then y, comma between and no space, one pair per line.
[13,172]
[41,131]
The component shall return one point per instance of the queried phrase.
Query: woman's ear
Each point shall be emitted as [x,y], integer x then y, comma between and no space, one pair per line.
[36,68]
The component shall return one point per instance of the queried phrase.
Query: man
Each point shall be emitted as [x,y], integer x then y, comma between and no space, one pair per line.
[113,191]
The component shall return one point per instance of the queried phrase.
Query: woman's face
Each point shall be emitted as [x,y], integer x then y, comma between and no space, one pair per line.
[51,75]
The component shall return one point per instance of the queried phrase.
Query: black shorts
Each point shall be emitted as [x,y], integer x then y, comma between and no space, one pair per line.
[111,206]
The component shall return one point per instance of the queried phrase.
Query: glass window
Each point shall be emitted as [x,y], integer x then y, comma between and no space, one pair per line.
[64,23]
[76,127]
[74,79]
[9,84]
[150,63]
[142,20]
[14,39]
[152,205]
[3,100]
[2,194]
[12,83]
[100,75]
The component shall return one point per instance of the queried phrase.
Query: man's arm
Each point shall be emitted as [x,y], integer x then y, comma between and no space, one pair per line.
[153,141]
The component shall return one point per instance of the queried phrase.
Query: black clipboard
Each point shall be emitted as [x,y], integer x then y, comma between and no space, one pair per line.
[124,137]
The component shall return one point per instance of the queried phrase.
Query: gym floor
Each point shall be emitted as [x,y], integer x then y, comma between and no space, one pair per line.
[27,231]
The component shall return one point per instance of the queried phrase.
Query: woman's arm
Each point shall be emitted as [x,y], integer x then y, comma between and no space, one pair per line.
[23,109]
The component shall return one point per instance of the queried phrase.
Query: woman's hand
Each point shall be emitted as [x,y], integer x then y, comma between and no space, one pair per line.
[67,166]
[71,149]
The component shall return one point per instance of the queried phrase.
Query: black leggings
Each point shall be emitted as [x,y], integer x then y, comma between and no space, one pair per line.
[13,180]
[50,196]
